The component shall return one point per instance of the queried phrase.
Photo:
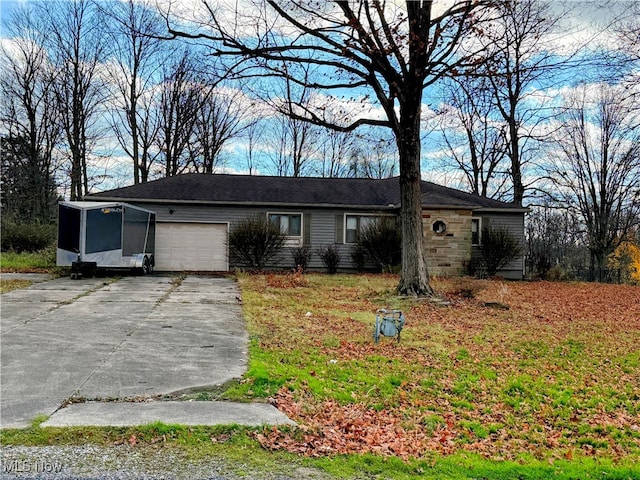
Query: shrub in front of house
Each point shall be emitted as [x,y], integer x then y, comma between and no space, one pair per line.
[359,258]
[381,243]
[499,248]
[301,257]
[255,242]
[330,257]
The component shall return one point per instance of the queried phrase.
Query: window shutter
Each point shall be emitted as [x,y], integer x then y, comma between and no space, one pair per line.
[339,228]
[307,229]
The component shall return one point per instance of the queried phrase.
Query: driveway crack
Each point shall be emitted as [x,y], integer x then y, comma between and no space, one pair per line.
[62,303]
[177,281]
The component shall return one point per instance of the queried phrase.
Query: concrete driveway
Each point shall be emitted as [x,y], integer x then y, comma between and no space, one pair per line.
[104,339]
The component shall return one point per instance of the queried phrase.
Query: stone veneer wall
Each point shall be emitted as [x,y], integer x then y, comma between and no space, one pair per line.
[448,252]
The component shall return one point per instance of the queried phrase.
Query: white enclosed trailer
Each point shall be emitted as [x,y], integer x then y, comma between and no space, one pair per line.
[109,235]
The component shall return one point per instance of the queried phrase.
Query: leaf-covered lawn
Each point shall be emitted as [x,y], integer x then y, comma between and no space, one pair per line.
[509,369]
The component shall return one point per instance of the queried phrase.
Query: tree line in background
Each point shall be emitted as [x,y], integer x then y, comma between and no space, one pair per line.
[78,75]
[88,83]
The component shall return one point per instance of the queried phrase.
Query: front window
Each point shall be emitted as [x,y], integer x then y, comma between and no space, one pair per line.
[290,224]
[355,224]
[475,231]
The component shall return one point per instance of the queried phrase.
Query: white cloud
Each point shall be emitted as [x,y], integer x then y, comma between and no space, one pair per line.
[585,24]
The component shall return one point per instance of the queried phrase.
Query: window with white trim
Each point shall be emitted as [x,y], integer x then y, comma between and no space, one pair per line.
[290,223]
[476,237]
[354,224]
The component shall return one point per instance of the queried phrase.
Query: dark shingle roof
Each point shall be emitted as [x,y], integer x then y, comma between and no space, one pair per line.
[225,189]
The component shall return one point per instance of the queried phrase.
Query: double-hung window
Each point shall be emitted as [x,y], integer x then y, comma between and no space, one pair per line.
[475,231]
[290,223]
[355,224]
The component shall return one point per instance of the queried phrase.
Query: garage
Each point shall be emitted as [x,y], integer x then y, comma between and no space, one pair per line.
[191,246]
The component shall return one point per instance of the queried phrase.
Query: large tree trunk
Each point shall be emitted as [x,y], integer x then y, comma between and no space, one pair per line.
[76,173]
[516,167]
[414,279]
[133,126]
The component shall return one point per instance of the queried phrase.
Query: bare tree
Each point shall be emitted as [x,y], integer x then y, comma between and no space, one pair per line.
[181,99]
[597,166]
[475,142]
[253,135]
[148,127]
[555,238]
[392,51]
[220,118]
[294,141]
[136,52]
[76,42]
[627,31]
[291,146]
[373,155]
[277,141]
[334,152]
[27,112]
[519,58]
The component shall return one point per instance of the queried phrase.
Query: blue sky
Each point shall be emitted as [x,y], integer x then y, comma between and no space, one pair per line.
[6,6]
[578,28]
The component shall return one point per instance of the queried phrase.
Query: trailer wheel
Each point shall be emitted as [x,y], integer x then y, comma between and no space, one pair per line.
[146,266]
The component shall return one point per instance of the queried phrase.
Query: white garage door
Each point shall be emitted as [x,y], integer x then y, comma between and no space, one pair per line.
[191,246]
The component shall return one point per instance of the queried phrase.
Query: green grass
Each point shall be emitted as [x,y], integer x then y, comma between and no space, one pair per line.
[547,389]
[244,456]
[507,381]
[42,261]
[35,435]
[473,467]
[241,452]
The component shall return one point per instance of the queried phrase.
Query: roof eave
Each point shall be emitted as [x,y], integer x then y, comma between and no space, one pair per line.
[448,207]
[503,209]
[165,201]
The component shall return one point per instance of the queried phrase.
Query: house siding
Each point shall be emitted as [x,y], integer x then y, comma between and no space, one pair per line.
[322,223]
[447,254]
[514,223]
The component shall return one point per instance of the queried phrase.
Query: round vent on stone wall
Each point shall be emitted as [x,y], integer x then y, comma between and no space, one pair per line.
[439,227]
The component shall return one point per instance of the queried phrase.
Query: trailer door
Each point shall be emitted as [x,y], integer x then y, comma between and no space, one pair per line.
[69,229]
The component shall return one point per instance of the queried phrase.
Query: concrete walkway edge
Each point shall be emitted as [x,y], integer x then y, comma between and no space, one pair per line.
[125,414]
